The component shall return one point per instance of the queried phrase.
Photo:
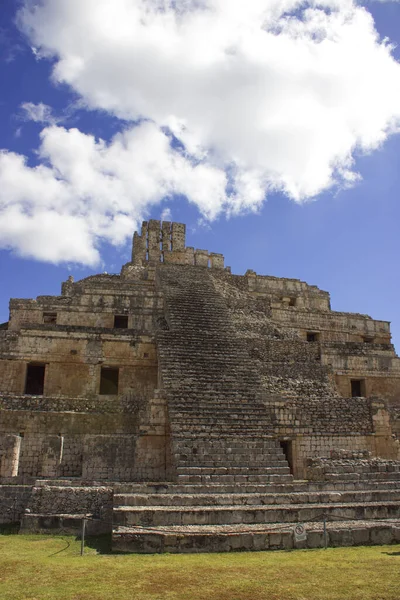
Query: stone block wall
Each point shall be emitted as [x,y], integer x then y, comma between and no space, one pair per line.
[316,428]
[91,304]
[310,447]
[74,359]
[313,446]
[331,325]
[348,461]
[288,293]
[95,501]
[322,415]
[124,442]
[13,501]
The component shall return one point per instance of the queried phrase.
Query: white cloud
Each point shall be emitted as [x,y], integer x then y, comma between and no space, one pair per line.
[284,97]
[39,113]
[84,190]
[166,215]
[264,94]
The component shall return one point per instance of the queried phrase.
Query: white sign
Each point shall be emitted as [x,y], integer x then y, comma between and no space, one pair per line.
[300,533]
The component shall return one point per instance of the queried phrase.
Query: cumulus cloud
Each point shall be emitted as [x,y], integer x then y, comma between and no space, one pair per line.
[85,190]
[283,90]
[263,95]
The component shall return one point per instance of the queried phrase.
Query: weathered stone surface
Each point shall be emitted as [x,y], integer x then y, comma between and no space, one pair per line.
[225,389]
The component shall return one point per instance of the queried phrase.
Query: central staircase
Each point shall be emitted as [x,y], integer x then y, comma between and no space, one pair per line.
[221,431]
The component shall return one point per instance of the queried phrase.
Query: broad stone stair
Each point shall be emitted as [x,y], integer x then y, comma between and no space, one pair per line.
[222,517]
[220,429]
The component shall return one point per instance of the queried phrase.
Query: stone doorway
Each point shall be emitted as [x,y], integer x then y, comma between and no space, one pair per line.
[287,448]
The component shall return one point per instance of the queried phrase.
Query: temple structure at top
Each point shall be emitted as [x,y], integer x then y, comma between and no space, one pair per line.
[166,242]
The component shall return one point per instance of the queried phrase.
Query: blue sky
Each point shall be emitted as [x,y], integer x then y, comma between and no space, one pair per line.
[271,135]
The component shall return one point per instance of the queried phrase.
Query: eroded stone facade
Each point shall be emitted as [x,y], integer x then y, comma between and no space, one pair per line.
[308,362]
[177,370]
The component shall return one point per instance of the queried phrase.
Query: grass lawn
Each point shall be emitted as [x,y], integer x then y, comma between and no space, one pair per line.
[39,568]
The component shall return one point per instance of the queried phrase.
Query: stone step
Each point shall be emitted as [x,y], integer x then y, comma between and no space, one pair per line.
[197,451]
[290,487]
[211,403]
[264,443]
[203,447]
[213,415]
[241,499]
[237,479]
[228,453]
[212,394]
[208,383]
[224,406]
[261,424]
[213,431]
[261,465]
[222,515]
[217,414]
[234,470]
[226,538]
[246,428]
[238,426]
[229,461]
[236,413]
[217,488]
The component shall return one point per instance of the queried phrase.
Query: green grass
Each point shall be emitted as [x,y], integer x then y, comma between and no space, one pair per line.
[36,567]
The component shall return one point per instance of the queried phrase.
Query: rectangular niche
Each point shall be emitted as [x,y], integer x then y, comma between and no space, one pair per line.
[34,382]
[357,388]
[109,381]
[50,318]
[120,321]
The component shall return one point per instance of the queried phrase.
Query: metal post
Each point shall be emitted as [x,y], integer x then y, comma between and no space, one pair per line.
[325,534]
[83,536]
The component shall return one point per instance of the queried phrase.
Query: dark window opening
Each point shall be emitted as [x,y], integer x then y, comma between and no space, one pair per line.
[286,446]
[50,318]
[34,383]
[121,322]
[109,381]
[312,337]
[357,388]
[292,302]
[368,339]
